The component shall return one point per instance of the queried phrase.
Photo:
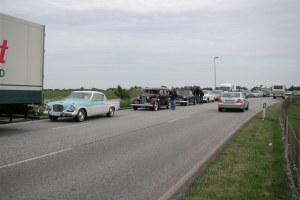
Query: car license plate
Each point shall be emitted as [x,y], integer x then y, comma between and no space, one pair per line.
[229,101]
[55,113]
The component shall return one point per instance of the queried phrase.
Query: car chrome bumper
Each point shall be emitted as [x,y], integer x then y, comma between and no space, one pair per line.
[146,105]
[62,114]
[231,106]
[182,101]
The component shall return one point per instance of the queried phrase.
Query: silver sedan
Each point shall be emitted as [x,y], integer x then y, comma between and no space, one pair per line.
[233,100]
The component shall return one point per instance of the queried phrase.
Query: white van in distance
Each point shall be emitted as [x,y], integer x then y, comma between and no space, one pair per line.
[278,91]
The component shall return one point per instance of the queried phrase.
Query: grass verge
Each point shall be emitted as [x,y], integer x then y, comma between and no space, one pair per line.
[252,166]
[294,114]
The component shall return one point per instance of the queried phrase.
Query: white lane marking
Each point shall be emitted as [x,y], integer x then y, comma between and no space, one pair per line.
[35,158]
[174,120]
[69,126]
[130,116]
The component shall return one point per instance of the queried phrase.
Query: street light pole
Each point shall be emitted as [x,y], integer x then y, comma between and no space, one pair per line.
[215,71]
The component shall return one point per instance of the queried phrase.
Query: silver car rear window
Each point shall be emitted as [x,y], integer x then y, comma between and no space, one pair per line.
[232,95]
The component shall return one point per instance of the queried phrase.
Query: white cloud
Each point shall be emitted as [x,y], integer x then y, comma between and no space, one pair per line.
[134,5]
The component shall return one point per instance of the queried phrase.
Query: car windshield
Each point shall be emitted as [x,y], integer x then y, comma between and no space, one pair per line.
[80,95]
[152,91]
[225,88]
[278,87]
[183,92]
[216,92]
[231,95]
[205,91]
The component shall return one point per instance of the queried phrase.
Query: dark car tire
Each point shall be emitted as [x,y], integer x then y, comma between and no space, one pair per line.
[243,109]
[155,106]
[111,112]
[135,107]
[220,109]
[80,117]
[53,118]
[247,107]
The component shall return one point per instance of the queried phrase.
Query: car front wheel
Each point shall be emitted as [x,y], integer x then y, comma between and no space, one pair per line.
[155,106]
[80,116]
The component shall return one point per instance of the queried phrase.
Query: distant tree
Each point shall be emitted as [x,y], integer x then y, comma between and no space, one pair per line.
[122,93]
[241,88]
[207,88]
[95,89]
[294,88]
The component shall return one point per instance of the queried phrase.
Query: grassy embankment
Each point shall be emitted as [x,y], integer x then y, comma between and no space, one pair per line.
[294,114]
[252,166]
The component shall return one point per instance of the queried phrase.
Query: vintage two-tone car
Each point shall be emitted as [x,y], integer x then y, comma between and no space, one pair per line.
[185,97]
[208,96]
[82,104]
[153,98]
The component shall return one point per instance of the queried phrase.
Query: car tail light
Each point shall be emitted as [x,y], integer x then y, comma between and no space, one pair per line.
[220,100]
[239,101]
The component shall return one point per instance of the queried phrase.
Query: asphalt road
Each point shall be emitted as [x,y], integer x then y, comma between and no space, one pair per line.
[134,155]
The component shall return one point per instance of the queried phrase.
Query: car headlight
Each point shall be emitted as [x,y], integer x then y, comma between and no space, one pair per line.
[72,107]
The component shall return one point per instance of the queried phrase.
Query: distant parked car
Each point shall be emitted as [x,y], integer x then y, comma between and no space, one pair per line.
[217,94]
[153,98]
[260,94]
[185,97]
[248,93]
[257,94]
[296,92]
[208,96]
[82,104]
[288,93]
[233,100]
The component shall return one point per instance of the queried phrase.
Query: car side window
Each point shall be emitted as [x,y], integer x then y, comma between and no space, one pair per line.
[98,97]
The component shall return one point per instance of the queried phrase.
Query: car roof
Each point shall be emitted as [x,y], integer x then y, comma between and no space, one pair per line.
[156,88]
[88,91]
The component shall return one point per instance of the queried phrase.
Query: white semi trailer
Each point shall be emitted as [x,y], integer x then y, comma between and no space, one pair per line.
[21,64]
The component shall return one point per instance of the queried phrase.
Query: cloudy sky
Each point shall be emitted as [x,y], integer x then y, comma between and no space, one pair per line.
[103,43]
